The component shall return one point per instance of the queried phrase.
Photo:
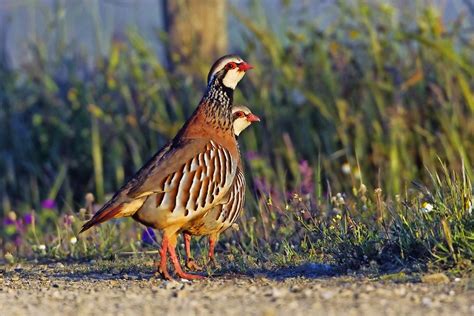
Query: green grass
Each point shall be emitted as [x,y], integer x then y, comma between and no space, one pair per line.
[378,105]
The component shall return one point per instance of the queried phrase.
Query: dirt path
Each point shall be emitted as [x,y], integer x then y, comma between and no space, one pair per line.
[94,289]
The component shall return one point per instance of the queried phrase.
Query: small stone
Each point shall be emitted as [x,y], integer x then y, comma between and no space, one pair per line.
[435,278]
[402,291]
[59,265]
[179,294]
[428,302]
[170,285]
[307,293]
[15,277]
[278,293]
[295,289]
[327,295]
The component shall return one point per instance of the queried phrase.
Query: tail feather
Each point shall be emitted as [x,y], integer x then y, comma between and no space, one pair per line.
[101,216]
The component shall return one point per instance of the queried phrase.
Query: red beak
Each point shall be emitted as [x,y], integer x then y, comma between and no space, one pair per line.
[252,118]
[243,66]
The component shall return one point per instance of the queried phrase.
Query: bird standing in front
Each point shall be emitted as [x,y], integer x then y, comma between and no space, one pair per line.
[221,216]
[191,174]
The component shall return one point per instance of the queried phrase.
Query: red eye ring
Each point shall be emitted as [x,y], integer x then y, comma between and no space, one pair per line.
[231,65]
[240,114]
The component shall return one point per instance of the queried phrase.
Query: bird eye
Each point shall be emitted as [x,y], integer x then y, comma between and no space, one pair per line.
[231,65]
[240,114]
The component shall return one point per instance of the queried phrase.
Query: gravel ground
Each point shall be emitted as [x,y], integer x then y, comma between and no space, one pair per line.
[93,289]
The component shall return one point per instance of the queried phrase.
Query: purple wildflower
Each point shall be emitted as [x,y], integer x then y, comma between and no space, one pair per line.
[29,218]
[8,221]
[148,236]
[48,203]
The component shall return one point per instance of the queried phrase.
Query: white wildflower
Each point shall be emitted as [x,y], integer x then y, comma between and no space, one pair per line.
[73,240]
[426,207]
[346,168]
[42,247]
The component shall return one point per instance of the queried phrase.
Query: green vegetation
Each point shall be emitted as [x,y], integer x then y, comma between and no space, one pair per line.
[363,106]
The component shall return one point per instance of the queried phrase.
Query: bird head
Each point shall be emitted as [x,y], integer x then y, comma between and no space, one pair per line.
[229,70]
[242,118]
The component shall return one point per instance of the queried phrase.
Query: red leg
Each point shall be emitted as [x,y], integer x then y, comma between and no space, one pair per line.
[187,243]
[212,245]
[190,263]
[163,269]
[177,266]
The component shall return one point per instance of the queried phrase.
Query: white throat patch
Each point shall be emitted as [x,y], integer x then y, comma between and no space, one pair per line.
[232,78]
[240,124]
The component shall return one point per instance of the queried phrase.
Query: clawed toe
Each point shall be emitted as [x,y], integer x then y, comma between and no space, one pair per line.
[189,276]
[192,265]
[163,275]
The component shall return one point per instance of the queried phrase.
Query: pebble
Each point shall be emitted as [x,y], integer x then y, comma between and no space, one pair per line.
[327,295]
[277,293]
[295,289]
[428,302]
[59,265]
[307,293]
[401,291]
[171,285]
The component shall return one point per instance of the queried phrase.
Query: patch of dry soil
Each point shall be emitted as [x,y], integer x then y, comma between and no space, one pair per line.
[88,289]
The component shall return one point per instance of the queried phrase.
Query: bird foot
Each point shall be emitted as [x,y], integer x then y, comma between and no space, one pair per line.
[188,276]
[163,275]
[192,265]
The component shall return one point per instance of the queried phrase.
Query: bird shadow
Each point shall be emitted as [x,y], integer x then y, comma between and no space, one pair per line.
[308,270]
[147,272]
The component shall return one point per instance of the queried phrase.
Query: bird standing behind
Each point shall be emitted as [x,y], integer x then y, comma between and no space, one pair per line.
[191,174]
[221,216]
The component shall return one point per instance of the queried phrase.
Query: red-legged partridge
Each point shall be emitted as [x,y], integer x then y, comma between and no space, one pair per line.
[189,176]
[221,216]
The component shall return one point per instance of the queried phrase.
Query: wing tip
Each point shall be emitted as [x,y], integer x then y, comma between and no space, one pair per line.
[101,216]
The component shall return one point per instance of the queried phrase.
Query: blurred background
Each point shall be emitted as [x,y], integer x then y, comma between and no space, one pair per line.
[351,93]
